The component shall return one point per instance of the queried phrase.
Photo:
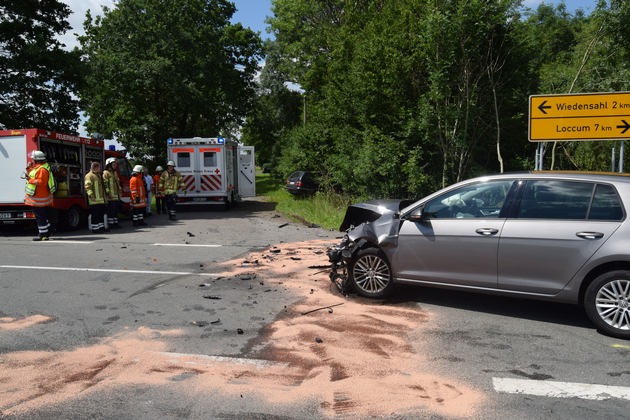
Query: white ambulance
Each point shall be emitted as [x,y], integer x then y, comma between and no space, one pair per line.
[215,170]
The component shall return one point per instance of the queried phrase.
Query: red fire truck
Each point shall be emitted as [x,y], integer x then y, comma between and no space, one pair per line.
[69,157]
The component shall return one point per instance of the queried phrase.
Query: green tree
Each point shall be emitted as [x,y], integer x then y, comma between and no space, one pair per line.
[277,109]
[408,83]
[37,77]
[167,68]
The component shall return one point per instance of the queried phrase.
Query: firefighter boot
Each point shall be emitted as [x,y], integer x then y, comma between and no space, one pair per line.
[41,238]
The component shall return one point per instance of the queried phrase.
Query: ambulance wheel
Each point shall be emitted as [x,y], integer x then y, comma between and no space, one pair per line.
[72,219]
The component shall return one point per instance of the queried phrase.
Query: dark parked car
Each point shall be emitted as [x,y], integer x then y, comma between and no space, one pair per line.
[302,183]
[550,236]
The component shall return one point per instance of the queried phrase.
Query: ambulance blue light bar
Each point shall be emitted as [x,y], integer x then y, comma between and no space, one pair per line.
[221,140]
[169,141]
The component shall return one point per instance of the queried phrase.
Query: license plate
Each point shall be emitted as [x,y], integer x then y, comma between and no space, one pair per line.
[5,215]
[199,199]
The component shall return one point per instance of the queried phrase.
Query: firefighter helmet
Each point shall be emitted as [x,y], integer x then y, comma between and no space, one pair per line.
[110,160]
[159,169]
[170,163]
[38,155]
[137,169]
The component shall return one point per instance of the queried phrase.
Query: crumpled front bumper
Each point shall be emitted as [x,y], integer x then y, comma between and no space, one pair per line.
[339,257]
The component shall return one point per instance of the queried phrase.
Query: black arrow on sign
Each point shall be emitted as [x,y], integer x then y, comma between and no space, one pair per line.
[625,127]
[542,107]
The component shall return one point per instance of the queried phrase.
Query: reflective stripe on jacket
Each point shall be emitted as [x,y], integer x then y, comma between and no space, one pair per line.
[38,186]
[171,183]
[113,188]
[94,189]
[138,190]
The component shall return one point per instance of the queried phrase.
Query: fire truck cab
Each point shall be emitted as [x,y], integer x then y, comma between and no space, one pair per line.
[215,170]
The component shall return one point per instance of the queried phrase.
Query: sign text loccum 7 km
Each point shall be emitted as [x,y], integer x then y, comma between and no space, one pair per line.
[587,116]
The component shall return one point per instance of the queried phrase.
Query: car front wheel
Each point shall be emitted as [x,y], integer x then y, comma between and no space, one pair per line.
[607,303]
[370,274]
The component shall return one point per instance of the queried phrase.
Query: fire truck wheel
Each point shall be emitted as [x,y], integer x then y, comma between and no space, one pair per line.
[72,218]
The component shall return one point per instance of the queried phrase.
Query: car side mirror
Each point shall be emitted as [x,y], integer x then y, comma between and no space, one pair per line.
[416,216]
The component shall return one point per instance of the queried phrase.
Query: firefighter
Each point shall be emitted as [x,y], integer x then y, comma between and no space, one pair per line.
[40,186]
[160,202]
[95,190]
[138,196]
[171,182]
[113,190]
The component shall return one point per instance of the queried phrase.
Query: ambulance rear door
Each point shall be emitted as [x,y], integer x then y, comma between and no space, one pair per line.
[246,172]
[183,156]
[212,170]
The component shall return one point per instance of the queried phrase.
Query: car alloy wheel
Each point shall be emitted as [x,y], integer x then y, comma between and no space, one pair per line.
[607,303]
[370,273]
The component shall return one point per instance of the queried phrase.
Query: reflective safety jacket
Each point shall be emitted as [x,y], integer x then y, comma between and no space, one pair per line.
[171,183]
[38,186]
[138,191]
[156,186]
[113,188]
[95,189]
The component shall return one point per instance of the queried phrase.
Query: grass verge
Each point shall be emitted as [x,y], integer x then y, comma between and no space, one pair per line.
[321,209]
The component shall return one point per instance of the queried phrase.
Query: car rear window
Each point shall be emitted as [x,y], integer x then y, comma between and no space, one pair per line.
[606,204]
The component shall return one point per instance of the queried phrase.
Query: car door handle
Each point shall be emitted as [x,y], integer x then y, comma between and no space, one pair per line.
[590,235]
[487,231]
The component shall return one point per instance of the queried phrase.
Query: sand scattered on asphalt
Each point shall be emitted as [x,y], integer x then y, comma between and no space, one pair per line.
[12,324]
[356,357]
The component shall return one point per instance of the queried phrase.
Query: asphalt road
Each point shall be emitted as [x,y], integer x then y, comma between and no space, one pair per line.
[98,287]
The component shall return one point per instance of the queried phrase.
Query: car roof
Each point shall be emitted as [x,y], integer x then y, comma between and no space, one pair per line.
[570,175]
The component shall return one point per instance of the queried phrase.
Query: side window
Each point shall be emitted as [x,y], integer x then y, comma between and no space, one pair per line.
[209,159]
[183,159]
[606,204]
[549,199]
[124,169]
[481,200]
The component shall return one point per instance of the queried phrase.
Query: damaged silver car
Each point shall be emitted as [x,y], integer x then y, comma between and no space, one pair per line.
[561,237]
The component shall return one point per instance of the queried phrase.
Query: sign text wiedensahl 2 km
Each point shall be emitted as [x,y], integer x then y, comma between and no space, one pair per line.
[585,116]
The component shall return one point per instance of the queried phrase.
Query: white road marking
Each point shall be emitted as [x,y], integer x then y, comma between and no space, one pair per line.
[109,270]
[560,389]
[64,241]
[236,360]
[199,245]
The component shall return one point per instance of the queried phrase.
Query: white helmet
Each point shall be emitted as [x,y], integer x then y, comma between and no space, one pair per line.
[159,169]
[137,169]
[38,155]
[110,160]
[170,163]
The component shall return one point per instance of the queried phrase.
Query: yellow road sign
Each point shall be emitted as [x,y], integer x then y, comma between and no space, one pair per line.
[586,116]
